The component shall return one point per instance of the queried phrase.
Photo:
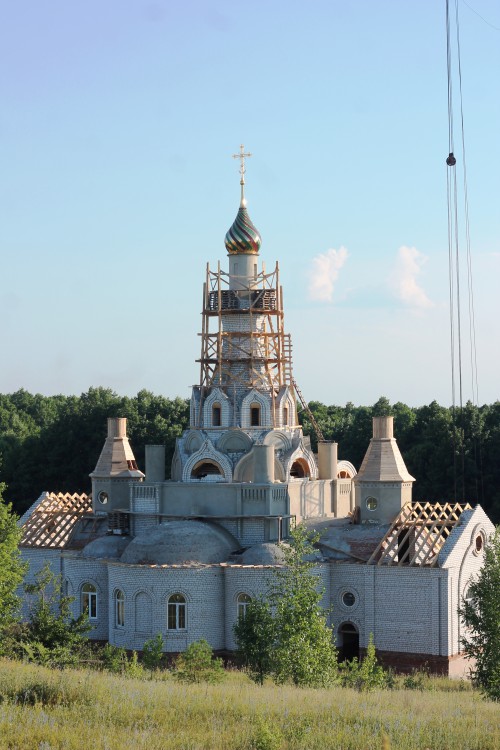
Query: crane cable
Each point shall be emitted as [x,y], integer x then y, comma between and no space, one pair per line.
[454,257]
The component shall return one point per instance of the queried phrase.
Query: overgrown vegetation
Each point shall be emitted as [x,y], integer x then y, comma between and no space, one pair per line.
[53,442]
[286,634]
[197,664]
[52,635]
[71,709]
[366,674]
[12,570]
[481,613]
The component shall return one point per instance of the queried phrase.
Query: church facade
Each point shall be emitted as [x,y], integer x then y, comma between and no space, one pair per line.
[183,556]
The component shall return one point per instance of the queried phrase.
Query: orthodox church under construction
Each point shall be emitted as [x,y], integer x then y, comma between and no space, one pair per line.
[183,556]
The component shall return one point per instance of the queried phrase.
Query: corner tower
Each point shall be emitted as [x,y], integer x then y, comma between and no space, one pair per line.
[116,470]
[383,483]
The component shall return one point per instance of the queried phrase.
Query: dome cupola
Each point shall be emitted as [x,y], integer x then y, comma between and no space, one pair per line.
[242,236]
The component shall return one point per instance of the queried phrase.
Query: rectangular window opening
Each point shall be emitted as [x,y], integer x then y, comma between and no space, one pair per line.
[216,416]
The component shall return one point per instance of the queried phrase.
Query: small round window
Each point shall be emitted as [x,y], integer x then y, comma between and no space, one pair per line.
[479,543]
[371,503]
[348,599]
[103,497]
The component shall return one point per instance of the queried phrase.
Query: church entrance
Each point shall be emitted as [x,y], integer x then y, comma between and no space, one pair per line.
[348,642]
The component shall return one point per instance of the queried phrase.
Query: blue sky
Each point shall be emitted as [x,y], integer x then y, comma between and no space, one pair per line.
[117,125]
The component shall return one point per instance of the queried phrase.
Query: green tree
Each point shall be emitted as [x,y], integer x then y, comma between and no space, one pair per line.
[480,611]
[290,628]
[12,570]
[303,647]
[51,626]
[254,633]
[197,664]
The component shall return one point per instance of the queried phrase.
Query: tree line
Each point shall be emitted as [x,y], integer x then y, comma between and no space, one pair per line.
[53,442]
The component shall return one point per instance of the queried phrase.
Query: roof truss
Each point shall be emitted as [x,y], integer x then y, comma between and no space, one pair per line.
[418,534]
[53,521]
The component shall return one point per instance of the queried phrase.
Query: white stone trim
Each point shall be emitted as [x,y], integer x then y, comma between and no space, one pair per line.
[265,409]
[216,396]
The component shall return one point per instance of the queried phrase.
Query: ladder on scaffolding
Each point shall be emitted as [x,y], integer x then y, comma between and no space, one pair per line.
[306,408]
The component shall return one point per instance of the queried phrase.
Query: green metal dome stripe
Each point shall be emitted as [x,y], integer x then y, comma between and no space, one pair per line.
[242,237]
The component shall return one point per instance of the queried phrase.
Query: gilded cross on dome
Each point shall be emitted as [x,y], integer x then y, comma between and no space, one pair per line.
[242,156]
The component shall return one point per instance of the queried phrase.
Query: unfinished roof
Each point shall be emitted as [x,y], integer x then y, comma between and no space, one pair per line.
[418,534]
[54,519]
[350,542]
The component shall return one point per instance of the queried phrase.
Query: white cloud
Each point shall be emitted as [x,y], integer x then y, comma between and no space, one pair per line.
[324,273]
[403,280]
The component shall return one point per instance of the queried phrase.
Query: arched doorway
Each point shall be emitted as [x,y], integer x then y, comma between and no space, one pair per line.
[348,641]
[204,469]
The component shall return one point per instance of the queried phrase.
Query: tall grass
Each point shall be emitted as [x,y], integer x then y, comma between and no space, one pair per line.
[42,709]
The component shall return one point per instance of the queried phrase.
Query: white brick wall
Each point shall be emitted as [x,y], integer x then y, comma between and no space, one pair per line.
[203,588]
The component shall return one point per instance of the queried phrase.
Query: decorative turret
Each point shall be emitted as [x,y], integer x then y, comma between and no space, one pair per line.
[242,241]
[383,483]
[116,469]
[242,237]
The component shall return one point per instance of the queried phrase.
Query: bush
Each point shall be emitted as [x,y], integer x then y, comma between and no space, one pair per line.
[197,664]
[367,674]
[267,737]
[152,652]
[415,681]
[47,691]
[51,628]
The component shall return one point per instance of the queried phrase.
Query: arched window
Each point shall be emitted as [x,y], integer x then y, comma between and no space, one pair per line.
[254,415]
[119,609]
[285,416]
[89,600]
[468,597]
[243,601]
[216,415]
[176,612]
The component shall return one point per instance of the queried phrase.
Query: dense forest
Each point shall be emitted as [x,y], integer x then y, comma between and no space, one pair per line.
[53,442]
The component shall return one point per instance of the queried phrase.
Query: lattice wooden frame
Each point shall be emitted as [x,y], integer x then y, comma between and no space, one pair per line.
[53,521]
[424,528]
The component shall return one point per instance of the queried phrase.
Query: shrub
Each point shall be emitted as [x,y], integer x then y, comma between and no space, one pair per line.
[113,658]
[267,737]
[152,652]
[367,674]
[197,664]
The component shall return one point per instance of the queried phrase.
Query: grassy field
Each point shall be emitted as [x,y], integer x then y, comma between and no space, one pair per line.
[42,709]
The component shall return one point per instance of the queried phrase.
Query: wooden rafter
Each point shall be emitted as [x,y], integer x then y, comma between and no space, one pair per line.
[418,534]
[54,519]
